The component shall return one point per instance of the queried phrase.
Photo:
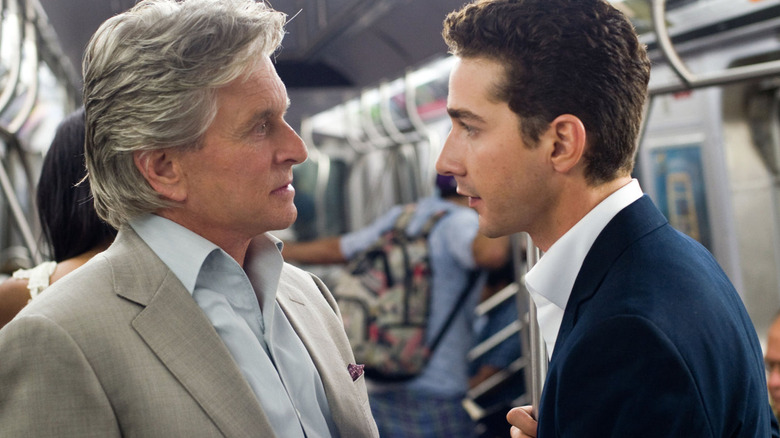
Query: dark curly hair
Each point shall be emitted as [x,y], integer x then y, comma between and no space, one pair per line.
[69,224]
[579,57]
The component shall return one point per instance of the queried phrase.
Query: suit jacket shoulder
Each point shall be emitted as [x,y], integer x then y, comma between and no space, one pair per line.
[121,349]
[313,313]
[653,335]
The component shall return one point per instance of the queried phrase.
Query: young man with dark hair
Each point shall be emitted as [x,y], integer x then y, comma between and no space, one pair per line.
[646,334]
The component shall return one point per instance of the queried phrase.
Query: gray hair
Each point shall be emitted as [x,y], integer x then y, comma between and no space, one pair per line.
[150,81]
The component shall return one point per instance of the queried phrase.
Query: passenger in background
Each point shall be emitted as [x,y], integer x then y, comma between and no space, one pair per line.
[648,337]
[190,324]
[71,230]
[772,363]
[429,405]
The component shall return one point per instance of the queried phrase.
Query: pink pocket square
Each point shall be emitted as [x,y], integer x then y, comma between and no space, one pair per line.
[355,370]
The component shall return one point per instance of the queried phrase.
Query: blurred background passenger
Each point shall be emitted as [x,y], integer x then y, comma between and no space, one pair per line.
[772,361]
[429,405]
[70,229]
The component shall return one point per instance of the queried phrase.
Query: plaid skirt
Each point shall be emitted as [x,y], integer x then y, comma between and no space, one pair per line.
[407,414]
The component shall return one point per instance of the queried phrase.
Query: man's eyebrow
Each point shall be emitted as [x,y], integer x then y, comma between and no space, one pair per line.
[462,114]
[263,115]
[256,118]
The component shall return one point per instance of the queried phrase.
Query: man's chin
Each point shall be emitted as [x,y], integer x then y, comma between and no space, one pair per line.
[490,231]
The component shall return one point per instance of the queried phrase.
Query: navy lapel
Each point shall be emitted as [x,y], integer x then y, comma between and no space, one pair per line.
[636,220]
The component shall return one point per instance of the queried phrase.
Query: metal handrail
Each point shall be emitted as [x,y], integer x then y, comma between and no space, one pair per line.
[29,41]
[497,379]
[411,107]
[538,361]
[49,47]
[508,292]
[690,80]
[357,144]
[31,59]
[512,329]
[725,77]
[387,119]
[13,80]
[665,42]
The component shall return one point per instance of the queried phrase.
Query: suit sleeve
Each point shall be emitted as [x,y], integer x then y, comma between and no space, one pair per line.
[625,378]
[48,387]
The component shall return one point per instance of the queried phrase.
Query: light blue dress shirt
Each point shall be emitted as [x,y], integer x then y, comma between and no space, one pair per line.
[264,345]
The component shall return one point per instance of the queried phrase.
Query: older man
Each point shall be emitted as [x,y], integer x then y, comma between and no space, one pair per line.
[190,324]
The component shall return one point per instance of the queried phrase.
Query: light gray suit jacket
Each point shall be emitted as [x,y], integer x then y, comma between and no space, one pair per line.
[120,348]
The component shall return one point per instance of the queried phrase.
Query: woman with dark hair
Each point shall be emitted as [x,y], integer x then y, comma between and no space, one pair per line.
[71,230]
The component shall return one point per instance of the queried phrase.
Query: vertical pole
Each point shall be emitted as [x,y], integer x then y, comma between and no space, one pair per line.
[538,356]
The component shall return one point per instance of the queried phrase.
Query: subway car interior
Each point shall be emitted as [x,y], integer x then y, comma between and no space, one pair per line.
[368,79]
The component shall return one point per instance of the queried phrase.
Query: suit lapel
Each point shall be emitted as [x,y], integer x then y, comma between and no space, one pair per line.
[182,337]
[340,390]
[636,220]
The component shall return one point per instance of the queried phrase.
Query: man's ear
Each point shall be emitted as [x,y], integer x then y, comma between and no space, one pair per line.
[569,138]
[162,171]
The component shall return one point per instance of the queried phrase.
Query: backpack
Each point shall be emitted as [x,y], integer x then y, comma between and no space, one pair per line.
[384,297]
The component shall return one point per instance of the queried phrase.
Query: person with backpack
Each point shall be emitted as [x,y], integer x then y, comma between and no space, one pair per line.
[427,404]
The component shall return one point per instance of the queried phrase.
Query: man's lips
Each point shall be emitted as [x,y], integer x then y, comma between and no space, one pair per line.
[284,187]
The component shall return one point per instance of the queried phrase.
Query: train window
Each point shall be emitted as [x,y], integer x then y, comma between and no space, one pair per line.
[335,198]
[320,204]
[396,99]
[305,181]
[371,101]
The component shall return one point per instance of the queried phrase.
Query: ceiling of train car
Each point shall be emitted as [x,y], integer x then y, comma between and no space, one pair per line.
[333,47]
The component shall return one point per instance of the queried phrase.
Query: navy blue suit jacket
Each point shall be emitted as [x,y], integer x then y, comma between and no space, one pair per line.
[655,341]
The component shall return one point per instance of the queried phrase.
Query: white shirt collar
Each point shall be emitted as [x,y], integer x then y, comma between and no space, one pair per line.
[553,276]
[182,250]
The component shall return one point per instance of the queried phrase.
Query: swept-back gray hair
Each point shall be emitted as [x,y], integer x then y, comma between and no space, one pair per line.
[150,81]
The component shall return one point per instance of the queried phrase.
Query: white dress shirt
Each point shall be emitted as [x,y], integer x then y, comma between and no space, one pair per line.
[263,344]
[551,280]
